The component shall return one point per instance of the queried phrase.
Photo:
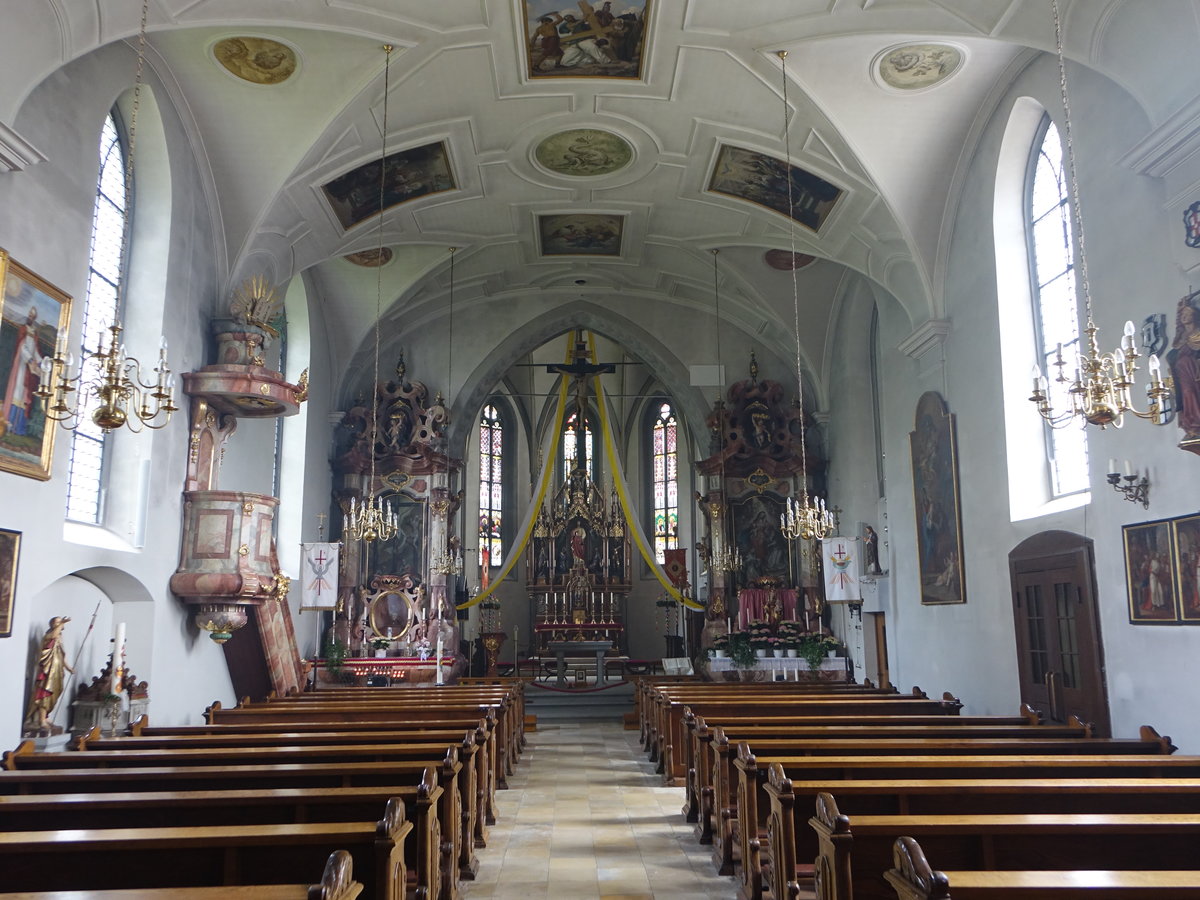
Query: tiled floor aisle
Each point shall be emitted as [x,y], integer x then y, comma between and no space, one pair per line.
[586,817]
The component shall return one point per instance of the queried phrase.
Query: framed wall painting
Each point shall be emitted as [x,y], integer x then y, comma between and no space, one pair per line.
[10,551]
[1185,559]
[763,180]
[33,314]
[593,40]
[936,498]
[1149,574]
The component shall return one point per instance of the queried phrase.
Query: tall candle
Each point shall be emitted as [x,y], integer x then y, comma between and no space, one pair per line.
[729,623]
[118,658]
[439,659]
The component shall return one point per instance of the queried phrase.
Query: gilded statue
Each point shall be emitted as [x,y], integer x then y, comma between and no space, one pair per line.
[47,684]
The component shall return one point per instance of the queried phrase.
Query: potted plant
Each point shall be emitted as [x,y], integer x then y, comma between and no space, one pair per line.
[720,646]
[790,635]
[761,638]
[741,653]
[814,648]
[380,646]
[335,660]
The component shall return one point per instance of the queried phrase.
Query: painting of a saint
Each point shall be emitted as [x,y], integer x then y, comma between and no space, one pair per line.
[759,538]
[408,175]
[1186,547]
[404,554]
[10,551]
[595,40]
[1184,360]
[763,179]
[32,314]
[1148,573]
[935,494]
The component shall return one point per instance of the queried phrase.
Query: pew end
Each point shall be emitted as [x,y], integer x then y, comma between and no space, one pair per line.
[1088,728]
[911,875]
[81,743]
[1149,733]
[1033,716]
[210,712]
[9,759]
[337,881]
[138,725]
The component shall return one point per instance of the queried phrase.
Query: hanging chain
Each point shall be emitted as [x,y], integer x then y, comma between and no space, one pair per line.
[1068,137]
[787,151]
[387,65]
[449,367]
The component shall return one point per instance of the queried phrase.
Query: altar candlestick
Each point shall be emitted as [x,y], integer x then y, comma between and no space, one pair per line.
[729,624]
[118,658]
[439,659]
[806,628]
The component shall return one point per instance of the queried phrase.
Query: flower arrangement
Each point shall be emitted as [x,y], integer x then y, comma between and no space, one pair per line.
[423,648]
[761,635]
[791,634]
[721,642]
[380,643]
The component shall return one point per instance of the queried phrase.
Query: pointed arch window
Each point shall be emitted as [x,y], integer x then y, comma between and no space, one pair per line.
[1055,308]
[491,485]
[664,468]
[570,447]
[101,307]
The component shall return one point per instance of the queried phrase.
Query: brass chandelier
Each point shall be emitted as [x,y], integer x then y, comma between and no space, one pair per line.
[373,519]
[807,518]
[1100,389]
[108,385]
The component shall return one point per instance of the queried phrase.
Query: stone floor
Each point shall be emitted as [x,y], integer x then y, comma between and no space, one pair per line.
[586,818]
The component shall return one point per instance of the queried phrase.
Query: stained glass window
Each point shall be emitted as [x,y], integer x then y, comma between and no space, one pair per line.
[665,480]
[491,485]
[569,448]
[1056,316]
[110,218]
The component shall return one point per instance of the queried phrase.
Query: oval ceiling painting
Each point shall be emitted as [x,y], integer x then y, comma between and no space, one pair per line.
[786,261]
[255,59]
[915,66]
[583,152]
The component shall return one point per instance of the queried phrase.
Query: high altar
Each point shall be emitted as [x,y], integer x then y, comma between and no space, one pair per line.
[578,564]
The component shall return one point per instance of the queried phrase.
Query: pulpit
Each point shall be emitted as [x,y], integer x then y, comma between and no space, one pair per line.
[561,649]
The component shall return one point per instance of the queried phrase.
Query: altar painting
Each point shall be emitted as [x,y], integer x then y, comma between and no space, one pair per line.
[1185,546]
[405,554]
[936,498]
[759,538]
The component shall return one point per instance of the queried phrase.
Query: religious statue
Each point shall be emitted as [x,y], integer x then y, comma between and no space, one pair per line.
[48,678]
[1184,359]
[578,536]
[871,551]
[773,608]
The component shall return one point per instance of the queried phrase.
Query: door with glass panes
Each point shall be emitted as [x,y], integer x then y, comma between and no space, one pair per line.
[1060,658]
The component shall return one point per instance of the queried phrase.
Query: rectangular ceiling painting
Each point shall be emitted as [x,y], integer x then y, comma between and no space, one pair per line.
[763,179]
[408,175]
[597,40]
[581,234]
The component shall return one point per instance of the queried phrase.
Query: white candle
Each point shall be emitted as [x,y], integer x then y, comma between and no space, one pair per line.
[729,623]
[118,658]
[1128,469]
[1112,466]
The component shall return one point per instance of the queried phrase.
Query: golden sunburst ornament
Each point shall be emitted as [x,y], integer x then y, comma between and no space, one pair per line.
[256,303]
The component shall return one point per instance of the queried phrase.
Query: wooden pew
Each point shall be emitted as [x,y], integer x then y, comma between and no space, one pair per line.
[340,716]
[457,857]
[700,759]
[793,844]
[670,733]
[914,879]
[134,858]
[160,809]
[337,883]
[743,824]
[212,736]
[855,852]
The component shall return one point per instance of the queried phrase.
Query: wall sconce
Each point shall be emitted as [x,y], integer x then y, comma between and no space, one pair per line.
[1135,490]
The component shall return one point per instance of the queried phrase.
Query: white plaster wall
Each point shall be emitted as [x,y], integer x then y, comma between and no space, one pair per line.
[45,222]
[970,649]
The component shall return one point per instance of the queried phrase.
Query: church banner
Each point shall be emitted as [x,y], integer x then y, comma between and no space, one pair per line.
[318,575]
[838,554]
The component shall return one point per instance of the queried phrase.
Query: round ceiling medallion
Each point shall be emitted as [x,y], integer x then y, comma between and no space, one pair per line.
[583,153]
[786,261]
[370,259]
[255,59]
[914,66]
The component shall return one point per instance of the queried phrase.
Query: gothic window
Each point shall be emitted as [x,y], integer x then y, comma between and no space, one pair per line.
[491,485]
[101,305]
[569,448]
[1056,317]
[664,467]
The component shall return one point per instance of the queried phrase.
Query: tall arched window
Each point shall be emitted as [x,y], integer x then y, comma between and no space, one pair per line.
[106,271]
[569,448]
[1056,314]
[664,470]
[491,485]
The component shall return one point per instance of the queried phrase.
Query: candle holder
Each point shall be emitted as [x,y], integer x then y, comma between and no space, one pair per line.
[1135,490]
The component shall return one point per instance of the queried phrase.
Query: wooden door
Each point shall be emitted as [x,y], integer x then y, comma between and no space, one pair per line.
[1060,657]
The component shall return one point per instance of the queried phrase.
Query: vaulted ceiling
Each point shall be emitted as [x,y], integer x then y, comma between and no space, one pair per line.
[709,78]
